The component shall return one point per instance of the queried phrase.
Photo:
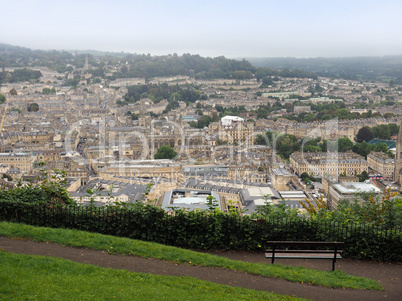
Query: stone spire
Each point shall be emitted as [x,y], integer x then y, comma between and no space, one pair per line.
[86,66]
[398,158]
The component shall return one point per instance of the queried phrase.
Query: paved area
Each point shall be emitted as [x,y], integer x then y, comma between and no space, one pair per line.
[389,275]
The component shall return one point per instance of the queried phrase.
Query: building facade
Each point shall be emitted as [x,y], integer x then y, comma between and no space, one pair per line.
[22,161]
[236,131]
[328,164]
[381,163]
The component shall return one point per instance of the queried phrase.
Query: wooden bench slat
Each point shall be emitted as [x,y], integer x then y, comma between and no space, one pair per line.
[305,243]
[309,256]
[304,251]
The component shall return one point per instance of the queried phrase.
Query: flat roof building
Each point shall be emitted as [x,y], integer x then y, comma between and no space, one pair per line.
[349,191]
[190,199]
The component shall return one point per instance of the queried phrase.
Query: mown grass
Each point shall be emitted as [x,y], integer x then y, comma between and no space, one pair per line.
[27,277]
[127,246]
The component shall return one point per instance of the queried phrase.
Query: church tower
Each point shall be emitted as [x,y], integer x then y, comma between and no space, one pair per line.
[86,66]
[398,158]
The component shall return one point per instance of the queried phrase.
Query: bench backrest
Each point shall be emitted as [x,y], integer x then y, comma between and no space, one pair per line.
[327,244]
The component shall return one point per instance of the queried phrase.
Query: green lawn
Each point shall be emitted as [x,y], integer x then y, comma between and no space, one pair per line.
[27,277]
[120,245]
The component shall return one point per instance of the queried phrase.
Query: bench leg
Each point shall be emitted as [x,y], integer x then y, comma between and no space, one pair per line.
[334,260]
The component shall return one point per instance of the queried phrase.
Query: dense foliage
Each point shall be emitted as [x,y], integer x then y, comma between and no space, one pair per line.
[211,230]
[2,98]
[370,230]
[382,131]
[33,107]
[156,93]
[20,75]
[358,68]
[165,152]
[285,144]
[266,74]
[326,111]
[49,91]
[192,65]
[144,65]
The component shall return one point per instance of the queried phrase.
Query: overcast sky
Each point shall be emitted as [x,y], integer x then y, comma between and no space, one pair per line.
[280,28]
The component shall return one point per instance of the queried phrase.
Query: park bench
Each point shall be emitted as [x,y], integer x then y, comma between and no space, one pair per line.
[304,250]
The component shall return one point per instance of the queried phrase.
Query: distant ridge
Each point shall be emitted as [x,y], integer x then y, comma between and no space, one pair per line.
[363,68]
[384,68]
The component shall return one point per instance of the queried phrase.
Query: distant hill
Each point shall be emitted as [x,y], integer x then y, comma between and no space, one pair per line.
[138,65]
[98,53]
[364,68]
[387,68]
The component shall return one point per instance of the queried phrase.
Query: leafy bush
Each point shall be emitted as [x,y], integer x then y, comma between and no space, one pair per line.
[203,230]
[370,231]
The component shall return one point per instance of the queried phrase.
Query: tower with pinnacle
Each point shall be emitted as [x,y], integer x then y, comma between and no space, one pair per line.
[86,66]
[398,158]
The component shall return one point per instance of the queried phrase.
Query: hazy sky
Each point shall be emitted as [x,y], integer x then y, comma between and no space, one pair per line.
[305,28]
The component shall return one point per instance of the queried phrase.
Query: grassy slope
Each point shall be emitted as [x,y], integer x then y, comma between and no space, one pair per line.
[25,277]
[120,245]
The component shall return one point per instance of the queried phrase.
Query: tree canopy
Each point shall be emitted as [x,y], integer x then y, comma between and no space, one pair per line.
[33,107]
[20,75]
[2,98]
[165,152]
[364,134]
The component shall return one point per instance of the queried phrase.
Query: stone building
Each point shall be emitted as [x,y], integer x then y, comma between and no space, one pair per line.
[281,179]
[21,161]
[47,155]
[246,172]
[381,163]
[328,164]
[151,169]
[236,131]
[328,181]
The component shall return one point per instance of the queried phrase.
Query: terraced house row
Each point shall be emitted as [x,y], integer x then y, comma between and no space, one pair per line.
[326,164]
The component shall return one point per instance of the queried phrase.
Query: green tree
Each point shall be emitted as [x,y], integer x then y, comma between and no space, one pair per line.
[381,131]
[364,134]
[49,91]
[212,204]
[267,81]
[165,152]
[13,92]
[175,97]
[5,176]
[33,107]
[393,128]
[311,148]
[204,121]
[14,109]
[274,211]
[221,142]
[363,176]
[343,114]
[261,140]
[304,176]
[381,147]
[286,145]
[2,98]
[360,148]
[344,144]
[369,148]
